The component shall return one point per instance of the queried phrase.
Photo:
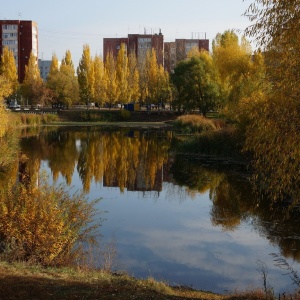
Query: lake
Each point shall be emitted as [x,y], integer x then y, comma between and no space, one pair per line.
[181,219]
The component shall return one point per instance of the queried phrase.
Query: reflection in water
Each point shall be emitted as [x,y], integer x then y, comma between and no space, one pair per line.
[231,194]
[127,159]
[139,162]
[234,202]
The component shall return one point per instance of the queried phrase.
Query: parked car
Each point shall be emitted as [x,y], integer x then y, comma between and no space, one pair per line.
[14,106]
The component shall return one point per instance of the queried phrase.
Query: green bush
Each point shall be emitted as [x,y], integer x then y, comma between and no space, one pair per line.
[125,115]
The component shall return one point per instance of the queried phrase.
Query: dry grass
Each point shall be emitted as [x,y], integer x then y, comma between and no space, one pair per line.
[193,124]
[24,281]
[21,281]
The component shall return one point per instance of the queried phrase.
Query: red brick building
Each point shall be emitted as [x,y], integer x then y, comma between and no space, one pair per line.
[178,50]
[22,38]
[137,43]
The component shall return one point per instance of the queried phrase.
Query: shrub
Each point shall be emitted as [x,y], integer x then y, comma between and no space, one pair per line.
[125,115]
[44,224]
[193,124]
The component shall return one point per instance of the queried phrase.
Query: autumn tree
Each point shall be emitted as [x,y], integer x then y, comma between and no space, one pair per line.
[5,90]
[33,88]
[273,135]
[54,67]
[143,69]
[241,74]
[152,69]
[111,76]
[133,78]
[8,69]
[85,73]
[67,61]
[232,60]
[122,74]
[154,81]
[63,81]
[100,83]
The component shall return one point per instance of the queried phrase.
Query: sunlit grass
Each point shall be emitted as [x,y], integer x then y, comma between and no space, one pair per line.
[21,280]
[195,124]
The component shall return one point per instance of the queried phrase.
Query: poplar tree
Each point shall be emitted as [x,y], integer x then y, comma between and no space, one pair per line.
[8,68]
[153,75]
[164,86]
[67,60]
[33,88]
[63,81]
[85,74]
[100,83]
[5,90]
[112,87]
[54,67]
[122,74]
[69,81]
[133,78]
[154,80]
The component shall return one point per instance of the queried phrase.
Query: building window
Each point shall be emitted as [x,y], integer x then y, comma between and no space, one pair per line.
[9,42]
[9,27]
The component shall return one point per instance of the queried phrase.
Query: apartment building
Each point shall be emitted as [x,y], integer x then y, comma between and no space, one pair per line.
[178,50]
[138,44]
[22,38]
[44,66]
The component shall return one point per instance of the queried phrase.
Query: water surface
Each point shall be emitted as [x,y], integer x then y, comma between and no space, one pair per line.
[183,220]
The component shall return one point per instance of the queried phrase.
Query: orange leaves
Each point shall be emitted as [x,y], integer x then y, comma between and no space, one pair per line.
[44,223]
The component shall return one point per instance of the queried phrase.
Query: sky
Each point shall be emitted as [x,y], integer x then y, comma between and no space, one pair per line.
[71,24]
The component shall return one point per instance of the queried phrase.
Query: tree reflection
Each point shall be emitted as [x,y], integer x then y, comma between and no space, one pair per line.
[132,160]
[232,199]
[280,225]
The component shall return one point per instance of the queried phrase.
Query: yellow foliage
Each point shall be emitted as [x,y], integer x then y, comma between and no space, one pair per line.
[43,223]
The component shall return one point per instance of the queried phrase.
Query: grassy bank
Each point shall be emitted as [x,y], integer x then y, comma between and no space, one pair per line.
[22,281]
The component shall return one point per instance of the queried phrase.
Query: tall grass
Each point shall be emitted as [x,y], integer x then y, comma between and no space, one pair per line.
[226,143]
[195,124]
[23,119]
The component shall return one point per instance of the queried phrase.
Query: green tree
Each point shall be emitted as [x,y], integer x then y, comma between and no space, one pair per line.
[85,73]
[196,82]
[164,86]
